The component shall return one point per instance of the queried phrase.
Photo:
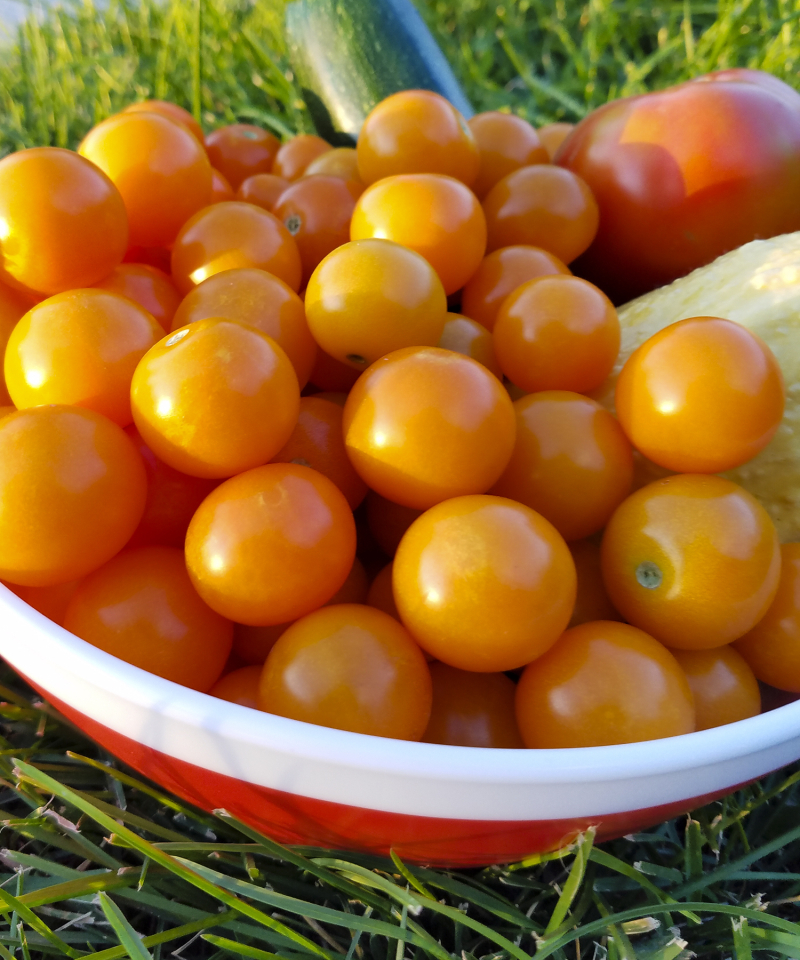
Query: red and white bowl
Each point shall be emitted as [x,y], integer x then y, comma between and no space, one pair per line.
[443,805]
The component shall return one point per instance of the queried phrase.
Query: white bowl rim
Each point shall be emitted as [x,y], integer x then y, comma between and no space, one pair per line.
[361,751]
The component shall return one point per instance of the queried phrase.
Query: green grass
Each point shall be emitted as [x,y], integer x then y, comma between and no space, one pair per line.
[96,862]
[225,59]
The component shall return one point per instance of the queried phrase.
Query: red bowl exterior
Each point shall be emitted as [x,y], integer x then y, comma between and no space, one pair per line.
[432,804]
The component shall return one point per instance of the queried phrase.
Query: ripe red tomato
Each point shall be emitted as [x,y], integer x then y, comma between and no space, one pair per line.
[685,174]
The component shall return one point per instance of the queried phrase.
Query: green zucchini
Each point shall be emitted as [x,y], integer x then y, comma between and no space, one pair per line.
[347,55]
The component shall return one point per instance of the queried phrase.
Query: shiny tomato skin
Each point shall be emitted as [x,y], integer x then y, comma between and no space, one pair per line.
[702,395]
[505,143]
[271,544]
[262,189]
[472,709]
[484,583]
[416,131]
[692,559]
[772,647]
[13,306]
[437,216]
[221,190]
[72,491]
[463,335]
[159,168]
[239,686]
[215,398]
[350,667]
[172,498]
[316,210]
[170,110]
[366,279]
[257,299]
[148,286]
[571,462]
[317,442]
[683,175]
[298,153]
[724,687]
[499,274]
[423,424]
[79,347]
[601,683]
[142,608]
[65,223]
[241,150]
[233,234]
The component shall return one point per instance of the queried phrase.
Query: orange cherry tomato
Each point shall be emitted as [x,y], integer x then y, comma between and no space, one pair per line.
[340,162]
[388,521]
[215,398]
[350,667]
[543,206]
[296,154]
[172,498]
[416,131]
[271,544]
[221,190]
[483,583]
[316,211]
[434,215]
[142,608]
[79,347]
[369,279]
[772,646]
[557,333]
[257,299]
[724,688]
[381,595]
[701,396]
[591,602]
[317,442]
[552,135]
[159,168]
[422,425]
[471,338]
[64,221]
[262,189]
[603,683]
[148,286]
[229,235]
[506,143]
[252,644]
[239,686]
[52,601]
[571,462]
[499,274]
[331,374]
[72,491]
[13,306]
[241,150]
[472,709]
[692,559]
[170,110]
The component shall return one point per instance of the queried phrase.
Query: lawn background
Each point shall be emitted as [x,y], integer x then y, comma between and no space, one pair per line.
[95,861]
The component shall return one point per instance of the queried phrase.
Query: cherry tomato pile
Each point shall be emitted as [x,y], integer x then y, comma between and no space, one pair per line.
[312,430]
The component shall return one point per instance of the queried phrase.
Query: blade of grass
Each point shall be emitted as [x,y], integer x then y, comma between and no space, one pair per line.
[128,937]
[32,775]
